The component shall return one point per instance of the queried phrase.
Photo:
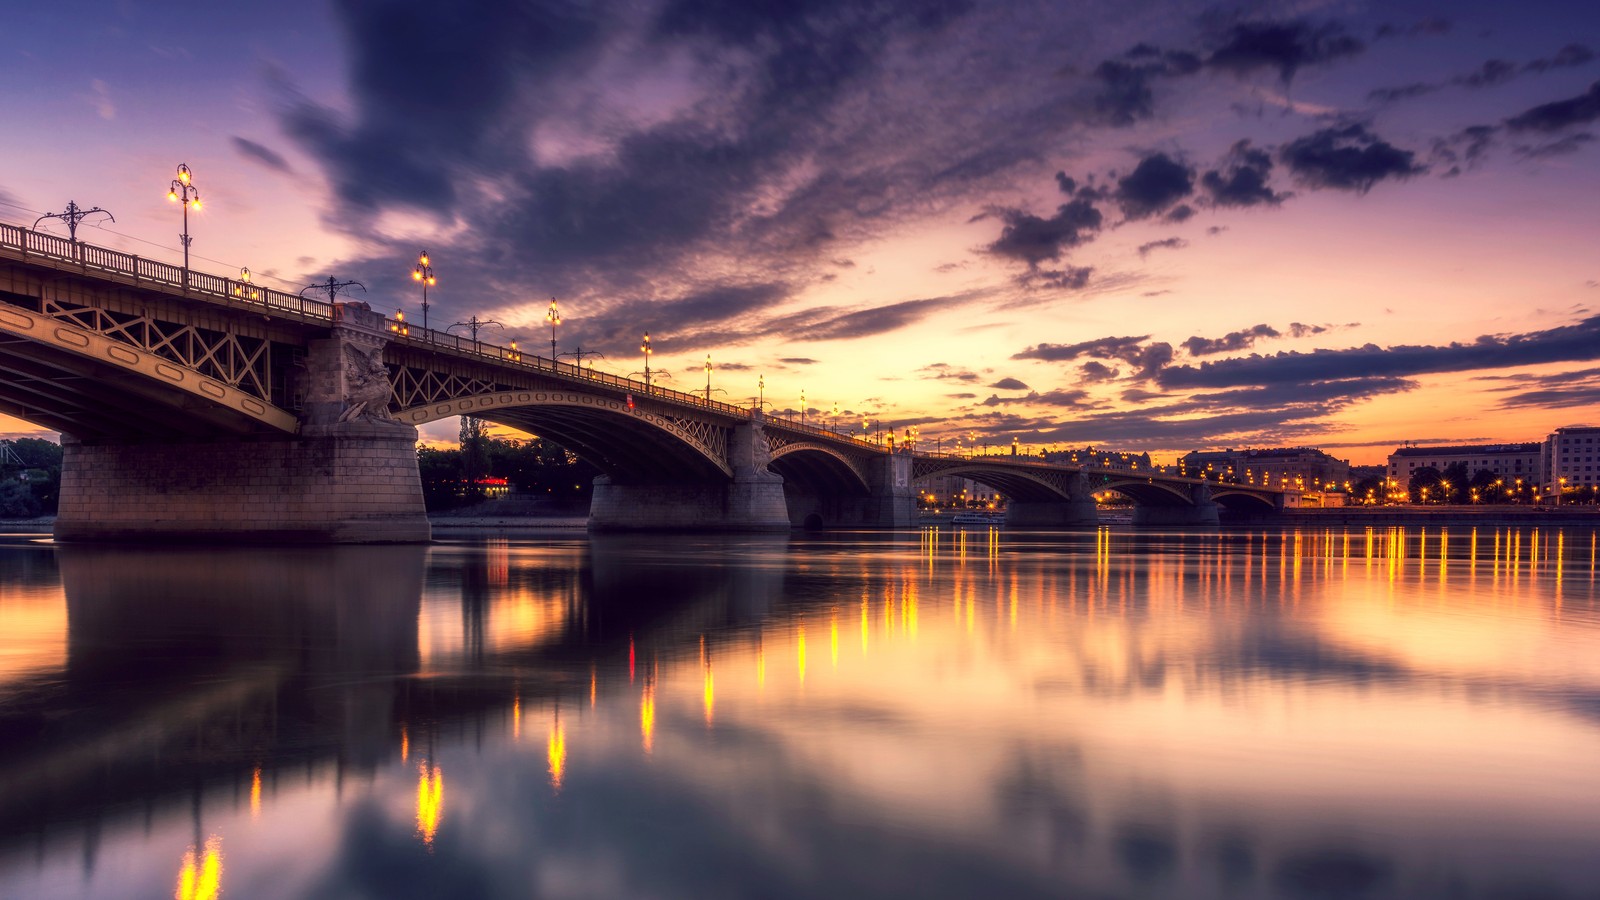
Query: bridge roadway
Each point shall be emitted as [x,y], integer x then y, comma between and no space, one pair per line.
[201,406]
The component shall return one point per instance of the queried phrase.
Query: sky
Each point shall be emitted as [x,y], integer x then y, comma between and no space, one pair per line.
[1147,225]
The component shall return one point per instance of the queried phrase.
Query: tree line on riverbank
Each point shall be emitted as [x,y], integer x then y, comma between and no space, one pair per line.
[483,465]
[30,478]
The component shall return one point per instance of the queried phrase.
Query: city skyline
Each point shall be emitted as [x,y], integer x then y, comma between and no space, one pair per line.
[1161,229]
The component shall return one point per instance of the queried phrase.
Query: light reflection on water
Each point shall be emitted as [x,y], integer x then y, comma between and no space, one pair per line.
[1369,713]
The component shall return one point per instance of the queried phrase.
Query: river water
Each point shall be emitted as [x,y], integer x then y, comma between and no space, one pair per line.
[1303,714]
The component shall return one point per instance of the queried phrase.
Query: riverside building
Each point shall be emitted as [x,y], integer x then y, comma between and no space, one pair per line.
[1571,460]
[1508,461]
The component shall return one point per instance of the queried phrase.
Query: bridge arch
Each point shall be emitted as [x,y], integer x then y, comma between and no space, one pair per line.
[52,359]
[1145,491]
[635,444]
[1015,483]
[1238,501]
[819,468]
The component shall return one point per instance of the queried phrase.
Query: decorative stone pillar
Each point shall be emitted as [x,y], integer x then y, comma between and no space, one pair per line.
[752,501]
[349,476]
[1201,510]
[1077,509]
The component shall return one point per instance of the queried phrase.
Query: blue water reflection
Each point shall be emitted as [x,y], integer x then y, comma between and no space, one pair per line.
[1383,713]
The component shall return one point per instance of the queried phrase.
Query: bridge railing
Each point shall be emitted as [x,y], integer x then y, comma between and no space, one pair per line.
[91,259]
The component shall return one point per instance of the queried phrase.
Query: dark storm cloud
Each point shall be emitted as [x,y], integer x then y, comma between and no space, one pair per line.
[1058,398]
[1490,73]
[949,372]
[1072,278]
[1567,343]
[1124,94]
[450,129]
[1561,114]
[1124,348]
[1562,146]
[1009,384]
[1154,185]
[1094,371]
[267,157]
[1347,158]
[1172,243]
[1562,390]
[1281,47]
[867,322]
[1427,27]
[1231,342]
[1240,179]
[437,112]
[1030,239]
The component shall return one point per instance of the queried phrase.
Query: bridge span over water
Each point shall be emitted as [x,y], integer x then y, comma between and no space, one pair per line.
[196,405]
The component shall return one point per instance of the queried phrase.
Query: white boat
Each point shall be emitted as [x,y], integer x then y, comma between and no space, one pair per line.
[975,518]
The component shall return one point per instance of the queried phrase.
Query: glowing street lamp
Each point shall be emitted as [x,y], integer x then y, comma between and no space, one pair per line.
[644,347]
[183,191]
[761,391]
[836,417]
[243,288]
[708,379]
[423,274]
[553,316]
[802,407]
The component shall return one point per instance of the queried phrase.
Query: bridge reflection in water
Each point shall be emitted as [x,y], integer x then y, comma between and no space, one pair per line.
[1104,710]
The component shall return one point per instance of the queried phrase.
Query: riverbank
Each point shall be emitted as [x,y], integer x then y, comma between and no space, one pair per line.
[1368,516]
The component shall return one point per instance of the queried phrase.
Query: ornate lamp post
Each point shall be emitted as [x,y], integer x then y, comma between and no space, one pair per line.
[802,407]
[243,288]
[72,215]
[836,418]
[708,379]
[183,191]
[553,316]
[473,324]
[761,391]
[423,273]
[646,348]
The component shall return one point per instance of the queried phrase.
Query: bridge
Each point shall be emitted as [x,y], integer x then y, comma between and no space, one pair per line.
[193,405]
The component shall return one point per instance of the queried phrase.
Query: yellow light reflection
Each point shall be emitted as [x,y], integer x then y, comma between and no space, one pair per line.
[405,745]
[557,753]
[430,801]
[800,652]
[647,717]
[255,793]
[516,717]
[710,698]
[200,878]
[833,639]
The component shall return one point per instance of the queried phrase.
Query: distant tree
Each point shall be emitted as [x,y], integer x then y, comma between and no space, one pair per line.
[41,475]
[17,500]
[1426,479]
[1453,482]
[1372,487]
[1486,485]
[441,478]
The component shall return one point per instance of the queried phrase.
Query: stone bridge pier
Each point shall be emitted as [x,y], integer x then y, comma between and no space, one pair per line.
[348,476]
[888,502]
[751,501]
[1077,509]
[1200,510]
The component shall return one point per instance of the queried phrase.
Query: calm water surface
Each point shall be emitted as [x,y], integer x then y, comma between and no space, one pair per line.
[1311,714]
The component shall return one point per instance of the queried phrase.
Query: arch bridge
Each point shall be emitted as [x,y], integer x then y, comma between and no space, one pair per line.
[197,405]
